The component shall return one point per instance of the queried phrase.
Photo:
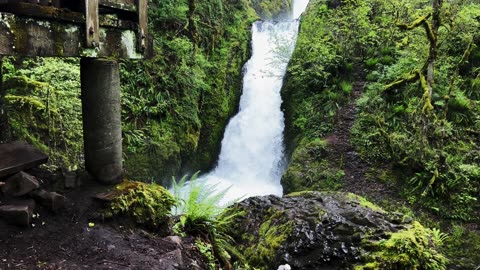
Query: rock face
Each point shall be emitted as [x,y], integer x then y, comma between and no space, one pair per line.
[311,230]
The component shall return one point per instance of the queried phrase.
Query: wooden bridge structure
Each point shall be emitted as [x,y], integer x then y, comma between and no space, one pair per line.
[98,31]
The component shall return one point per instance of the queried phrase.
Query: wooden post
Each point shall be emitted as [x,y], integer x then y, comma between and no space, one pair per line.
[102,130]
[92,24]
[142,24]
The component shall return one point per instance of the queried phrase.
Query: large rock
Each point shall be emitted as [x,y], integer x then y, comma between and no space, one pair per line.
[325,230]
[20,184]
[18,212]
[51,200]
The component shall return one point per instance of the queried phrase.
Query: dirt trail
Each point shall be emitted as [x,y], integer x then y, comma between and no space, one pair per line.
[346,156]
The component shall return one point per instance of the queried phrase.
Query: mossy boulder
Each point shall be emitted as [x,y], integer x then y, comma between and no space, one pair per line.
[145,204]
[330,230]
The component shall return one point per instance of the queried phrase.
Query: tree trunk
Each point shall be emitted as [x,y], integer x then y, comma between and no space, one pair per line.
[437,6]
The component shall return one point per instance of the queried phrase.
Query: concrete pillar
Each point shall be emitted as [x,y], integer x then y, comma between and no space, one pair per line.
[102,130]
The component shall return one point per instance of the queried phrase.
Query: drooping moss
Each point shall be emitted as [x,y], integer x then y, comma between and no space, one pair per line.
[44,109]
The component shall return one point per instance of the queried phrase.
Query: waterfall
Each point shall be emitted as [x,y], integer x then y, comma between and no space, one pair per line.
[250,161]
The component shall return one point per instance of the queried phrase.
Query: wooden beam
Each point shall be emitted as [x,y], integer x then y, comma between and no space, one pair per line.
[92,24]
[127,5]
[42,12]
[142,24]
[18,156]
[24,36]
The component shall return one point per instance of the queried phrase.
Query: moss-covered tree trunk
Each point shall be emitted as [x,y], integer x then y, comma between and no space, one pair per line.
[437,5]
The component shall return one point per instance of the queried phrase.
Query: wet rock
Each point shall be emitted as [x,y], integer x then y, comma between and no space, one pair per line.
[309,230]
[18,213]
[19,184]
[51,200]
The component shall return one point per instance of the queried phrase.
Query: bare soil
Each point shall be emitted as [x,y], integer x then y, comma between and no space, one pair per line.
[345,155]
[65,240]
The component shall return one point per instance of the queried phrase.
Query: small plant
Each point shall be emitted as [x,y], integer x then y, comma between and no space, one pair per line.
[207,252]
[346,87]
[199,204]
[200,214]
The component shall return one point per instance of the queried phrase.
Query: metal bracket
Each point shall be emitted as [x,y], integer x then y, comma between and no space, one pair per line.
[92,24]
[142,24]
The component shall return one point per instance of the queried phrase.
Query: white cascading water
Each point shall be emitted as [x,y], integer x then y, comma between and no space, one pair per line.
[250,161]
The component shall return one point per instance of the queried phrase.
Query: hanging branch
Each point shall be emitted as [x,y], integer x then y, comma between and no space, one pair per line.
[426,81]
[409,78]
[415,23]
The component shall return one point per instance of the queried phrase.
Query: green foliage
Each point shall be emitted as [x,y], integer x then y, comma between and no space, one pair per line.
[313,167]
[201,214]
[207,252]
[435,152]
[147,204]
[413,248]
[43,106]
[272,233]
[463,247]
[272,9]
[177,104]
[199,204]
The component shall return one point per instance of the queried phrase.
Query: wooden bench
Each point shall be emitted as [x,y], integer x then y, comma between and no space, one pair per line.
[18,156]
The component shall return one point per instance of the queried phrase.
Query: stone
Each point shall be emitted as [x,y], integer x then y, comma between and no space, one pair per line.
[20,184]
[310,230]
[70,179]
[177,240]
[20,215]
[51,200]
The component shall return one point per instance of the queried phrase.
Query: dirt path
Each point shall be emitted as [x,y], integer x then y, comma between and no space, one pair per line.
[346,156]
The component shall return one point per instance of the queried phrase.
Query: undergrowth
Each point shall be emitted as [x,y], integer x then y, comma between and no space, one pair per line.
[201,214]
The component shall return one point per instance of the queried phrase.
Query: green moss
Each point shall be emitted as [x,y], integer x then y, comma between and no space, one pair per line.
[364,202]
[272,9]
[180,101]
[147,204]
[304,193]
[462,248]
[312,168]
[44,109]
[413,248]
[272,233]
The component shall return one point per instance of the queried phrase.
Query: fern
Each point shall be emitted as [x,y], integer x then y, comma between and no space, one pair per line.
[201,214]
